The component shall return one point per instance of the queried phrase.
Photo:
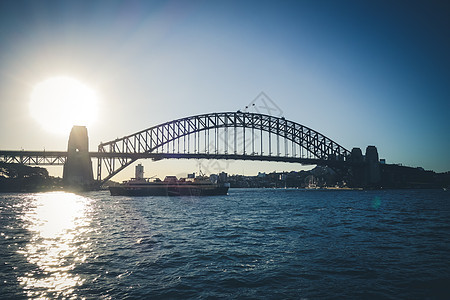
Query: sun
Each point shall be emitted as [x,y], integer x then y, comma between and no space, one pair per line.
[58,103]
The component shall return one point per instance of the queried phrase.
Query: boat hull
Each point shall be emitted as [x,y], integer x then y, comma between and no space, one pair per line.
[168,190]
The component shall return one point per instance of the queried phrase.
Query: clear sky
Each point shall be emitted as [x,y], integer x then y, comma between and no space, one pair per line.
[362,73]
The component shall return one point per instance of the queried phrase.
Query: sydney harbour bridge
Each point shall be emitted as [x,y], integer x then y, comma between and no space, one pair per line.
[224,135]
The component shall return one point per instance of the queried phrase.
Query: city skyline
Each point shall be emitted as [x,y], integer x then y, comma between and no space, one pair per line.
[361,74]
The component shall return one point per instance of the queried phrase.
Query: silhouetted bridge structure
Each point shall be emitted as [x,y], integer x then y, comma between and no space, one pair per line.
[226,135]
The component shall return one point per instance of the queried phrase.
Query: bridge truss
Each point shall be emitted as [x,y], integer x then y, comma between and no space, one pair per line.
[227,135]
[34,157]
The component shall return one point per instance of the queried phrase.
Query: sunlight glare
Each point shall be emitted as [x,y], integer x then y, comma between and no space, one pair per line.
[57,222]
[59,103]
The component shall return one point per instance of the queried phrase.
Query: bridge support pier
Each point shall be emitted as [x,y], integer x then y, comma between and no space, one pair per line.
[365,171]
[373,174]
[77,172]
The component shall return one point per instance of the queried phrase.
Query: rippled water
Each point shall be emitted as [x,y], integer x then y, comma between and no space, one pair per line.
[253,243]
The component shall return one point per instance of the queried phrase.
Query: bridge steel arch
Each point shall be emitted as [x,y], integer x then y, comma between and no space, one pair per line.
[225,135]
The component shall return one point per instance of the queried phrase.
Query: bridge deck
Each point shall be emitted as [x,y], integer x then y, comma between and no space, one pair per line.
[59,157]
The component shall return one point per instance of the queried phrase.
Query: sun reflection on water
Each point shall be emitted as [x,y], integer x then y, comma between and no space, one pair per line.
[58,222]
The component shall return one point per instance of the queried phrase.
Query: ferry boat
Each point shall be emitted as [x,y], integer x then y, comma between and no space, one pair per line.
[170,186]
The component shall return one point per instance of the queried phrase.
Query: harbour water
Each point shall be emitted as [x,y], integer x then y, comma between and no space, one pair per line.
[251,244]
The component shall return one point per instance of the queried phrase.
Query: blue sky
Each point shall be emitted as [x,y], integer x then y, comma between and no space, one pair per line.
[361,73]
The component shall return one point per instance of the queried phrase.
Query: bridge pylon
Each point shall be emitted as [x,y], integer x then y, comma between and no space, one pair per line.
[78,166]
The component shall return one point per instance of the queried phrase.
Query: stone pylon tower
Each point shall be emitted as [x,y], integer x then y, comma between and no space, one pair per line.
[373,174]
[78,167]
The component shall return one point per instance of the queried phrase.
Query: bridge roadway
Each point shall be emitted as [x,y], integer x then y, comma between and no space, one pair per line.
[59,157]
